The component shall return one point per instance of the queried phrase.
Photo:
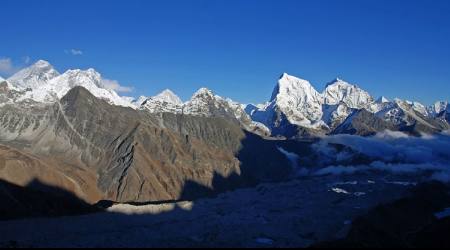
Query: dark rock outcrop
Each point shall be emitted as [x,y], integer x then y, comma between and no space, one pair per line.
[364,123]
[408,222]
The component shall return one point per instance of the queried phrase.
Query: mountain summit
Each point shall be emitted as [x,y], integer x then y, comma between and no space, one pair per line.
[296,107]
[42,83]
[297,100]
[341,91]
[166,101]
[34,76]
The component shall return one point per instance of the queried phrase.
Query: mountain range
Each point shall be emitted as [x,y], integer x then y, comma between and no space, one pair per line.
[295,109]
[69,130]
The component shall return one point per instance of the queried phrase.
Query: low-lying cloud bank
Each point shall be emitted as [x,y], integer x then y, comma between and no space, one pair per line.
[394,152]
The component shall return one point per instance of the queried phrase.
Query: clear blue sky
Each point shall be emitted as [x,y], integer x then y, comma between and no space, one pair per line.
[238,48]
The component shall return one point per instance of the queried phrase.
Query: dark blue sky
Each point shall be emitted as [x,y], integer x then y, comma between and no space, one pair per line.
[238,48]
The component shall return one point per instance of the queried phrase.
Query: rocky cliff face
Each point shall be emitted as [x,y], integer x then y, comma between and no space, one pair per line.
[135,155]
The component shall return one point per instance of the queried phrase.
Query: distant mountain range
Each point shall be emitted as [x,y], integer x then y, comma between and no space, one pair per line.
[295,109]
[71,131]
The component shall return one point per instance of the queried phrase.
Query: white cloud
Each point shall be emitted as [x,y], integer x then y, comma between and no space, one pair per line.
[115,85]
[6,66]
[74,52]
[388,151]
[27,60]
[340,170]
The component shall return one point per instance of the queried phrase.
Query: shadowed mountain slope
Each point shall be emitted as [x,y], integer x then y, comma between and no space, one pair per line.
[137,156]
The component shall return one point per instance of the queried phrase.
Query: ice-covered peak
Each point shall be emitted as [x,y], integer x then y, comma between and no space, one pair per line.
[166,101]
[297,100]
[168,96]
[382,99]
[34,76]
[89,79]
[338,81]
[59,86]
[291,86]
[42,64]
[341,91]
[438,108]
[202,93]
[78,77]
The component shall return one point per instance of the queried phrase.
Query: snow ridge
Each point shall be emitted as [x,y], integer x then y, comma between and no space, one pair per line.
[294,102]
[340,91]
[34,76]
[43,84]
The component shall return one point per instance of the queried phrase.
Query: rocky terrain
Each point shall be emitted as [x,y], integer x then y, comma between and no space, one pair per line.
[136,156]
[152,165]
[298,213]
[421,219]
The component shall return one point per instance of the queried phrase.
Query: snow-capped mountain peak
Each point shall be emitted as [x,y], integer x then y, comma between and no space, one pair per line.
[166,101]
[338,81]
[382,100]
[1,79]
[34,76]
[341,91]
[89,79]
[202,93]
[77,77]
[42,83]
[42,64]
[205,103]
[291,86]
[419,107]
[201,98]
[297,100]
[438,108]
[168,96]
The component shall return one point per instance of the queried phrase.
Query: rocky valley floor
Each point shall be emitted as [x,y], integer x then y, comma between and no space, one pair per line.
[298,213]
